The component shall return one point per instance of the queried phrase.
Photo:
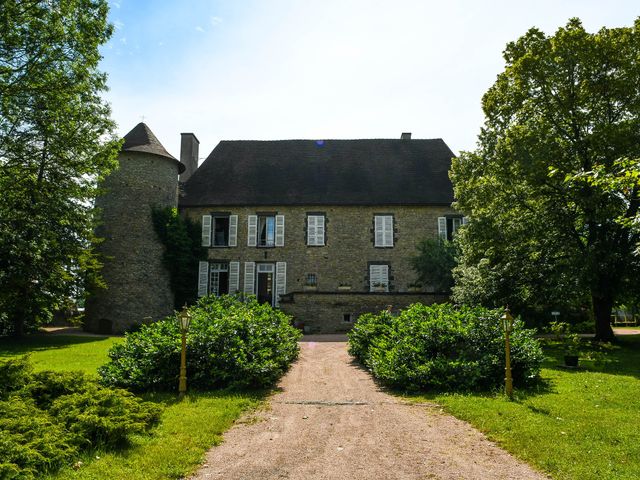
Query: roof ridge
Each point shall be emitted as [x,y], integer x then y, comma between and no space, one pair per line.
[333,140]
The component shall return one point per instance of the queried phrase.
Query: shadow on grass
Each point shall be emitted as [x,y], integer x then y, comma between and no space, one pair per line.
[37,342]
[623,358]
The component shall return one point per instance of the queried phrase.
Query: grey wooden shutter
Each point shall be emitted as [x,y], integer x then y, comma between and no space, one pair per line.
[252,230]
[379,231]
[320,230]
[384,276]
[233,230]
[203,278]
[279,230]
[442,228]
[311,230]
[234,277]
[206,230]
[465,220]
[388,231]
[249,277]
[281,280]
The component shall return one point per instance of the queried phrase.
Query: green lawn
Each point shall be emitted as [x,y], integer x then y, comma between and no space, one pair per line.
[61,352]
[582,424]
[174,449]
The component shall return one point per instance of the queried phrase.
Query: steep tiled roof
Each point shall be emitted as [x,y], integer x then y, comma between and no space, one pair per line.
[323,172]
[142,139]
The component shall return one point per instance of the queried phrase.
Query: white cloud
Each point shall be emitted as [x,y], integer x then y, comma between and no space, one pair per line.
[118,24]
[215,21]
[200,29]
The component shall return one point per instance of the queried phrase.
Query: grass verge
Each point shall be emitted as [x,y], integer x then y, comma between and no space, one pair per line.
[60,352]
[174,449]
[582,424]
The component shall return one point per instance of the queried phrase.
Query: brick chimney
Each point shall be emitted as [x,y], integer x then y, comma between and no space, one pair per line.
[189,149]
[404,136]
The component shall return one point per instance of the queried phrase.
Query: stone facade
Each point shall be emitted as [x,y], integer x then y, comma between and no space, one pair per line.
[317,312]
[138,288]
[341,266]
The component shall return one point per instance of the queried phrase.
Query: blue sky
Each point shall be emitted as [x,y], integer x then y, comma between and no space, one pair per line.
[278,69]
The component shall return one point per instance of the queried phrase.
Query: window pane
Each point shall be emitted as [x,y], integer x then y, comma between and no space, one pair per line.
[221,231]
[266,231]
[271,231]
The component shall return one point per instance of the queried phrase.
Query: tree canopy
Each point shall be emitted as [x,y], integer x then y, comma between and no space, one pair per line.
[56,142]
[552,190]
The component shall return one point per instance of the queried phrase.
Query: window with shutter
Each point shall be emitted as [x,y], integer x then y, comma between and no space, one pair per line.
[447,226]
[206,230]
[203,278]
[383,231]
[315,230]
[378,278]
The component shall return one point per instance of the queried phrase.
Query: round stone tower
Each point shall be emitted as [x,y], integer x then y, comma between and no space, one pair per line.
[138,289]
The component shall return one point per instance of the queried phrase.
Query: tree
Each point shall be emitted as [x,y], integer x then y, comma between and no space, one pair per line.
[56,142]
[182,239]
[434,263]
[552,189]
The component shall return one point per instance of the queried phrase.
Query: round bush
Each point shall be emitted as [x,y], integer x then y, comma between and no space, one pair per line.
[444,348]
[230,343]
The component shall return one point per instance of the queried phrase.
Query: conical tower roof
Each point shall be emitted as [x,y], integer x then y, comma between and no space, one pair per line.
[142,139]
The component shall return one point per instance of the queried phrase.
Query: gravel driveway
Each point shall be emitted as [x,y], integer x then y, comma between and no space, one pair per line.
[331,421]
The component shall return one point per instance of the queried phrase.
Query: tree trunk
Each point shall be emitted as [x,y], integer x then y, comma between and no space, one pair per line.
[18,325]
[602,306]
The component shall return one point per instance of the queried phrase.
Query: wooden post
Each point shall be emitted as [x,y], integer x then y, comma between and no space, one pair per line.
[182,386]
[507,323]
[508,383]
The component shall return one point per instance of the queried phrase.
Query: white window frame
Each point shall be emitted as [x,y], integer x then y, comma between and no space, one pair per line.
[215,268]
[383,231]
[315,230]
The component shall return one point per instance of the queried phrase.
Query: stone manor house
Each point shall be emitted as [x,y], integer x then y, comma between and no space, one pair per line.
[323,229]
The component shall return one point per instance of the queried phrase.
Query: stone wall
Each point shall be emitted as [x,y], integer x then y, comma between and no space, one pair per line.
[336,312]
[349,248]
[138,288]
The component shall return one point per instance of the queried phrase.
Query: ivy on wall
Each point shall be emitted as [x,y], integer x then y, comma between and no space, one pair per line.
[183,251]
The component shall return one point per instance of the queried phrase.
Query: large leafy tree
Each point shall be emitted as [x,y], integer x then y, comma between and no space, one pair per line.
[552,189]
[56,142]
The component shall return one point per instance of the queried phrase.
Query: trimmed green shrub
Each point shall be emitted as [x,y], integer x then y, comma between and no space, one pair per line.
[231,343]
[444,348]
[104,416]
[48,418]
[14,374]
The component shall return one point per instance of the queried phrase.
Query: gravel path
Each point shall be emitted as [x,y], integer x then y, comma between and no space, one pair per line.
[330,421]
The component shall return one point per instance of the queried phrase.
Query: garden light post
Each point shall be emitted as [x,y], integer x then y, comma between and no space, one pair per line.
[507,324]
[184,317]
